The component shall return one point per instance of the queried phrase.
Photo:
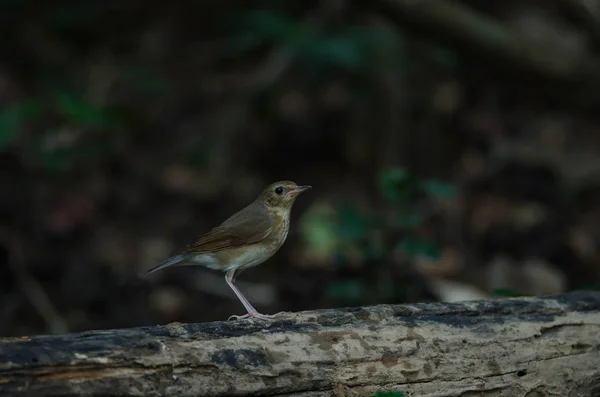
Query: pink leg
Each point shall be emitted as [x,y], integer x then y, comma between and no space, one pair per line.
[252,312]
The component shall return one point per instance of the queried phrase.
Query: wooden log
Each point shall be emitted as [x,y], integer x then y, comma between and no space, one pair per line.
[545,346]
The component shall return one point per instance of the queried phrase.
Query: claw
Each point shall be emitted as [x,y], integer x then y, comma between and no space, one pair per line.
[236,317]
[255,315]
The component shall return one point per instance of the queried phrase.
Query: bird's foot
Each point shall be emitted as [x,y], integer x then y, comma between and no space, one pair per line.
[236,317]
[255,315]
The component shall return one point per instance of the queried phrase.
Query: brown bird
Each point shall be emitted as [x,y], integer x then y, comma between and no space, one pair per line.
[247,238]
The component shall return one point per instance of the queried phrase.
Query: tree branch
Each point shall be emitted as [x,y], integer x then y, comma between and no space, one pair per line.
[513,347]
[500,47]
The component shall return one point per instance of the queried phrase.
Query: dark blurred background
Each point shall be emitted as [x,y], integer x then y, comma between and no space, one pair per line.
[453,149]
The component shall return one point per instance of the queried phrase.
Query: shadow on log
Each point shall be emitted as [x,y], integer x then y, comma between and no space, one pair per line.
[510,347]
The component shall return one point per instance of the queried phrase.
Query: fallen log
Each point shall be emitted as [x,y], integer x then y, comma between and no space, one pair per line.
[545,346]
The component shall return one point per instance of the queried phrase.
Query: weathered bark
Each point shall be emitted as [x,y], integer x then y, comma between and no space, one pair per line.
[548,346]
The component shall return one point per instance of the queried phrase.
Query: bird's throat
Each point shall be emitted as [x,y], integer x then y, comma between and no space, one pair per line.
[281,223]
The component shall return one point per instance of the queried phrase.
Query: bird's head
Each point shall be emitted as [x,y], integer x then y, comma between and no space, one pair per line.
[281,195]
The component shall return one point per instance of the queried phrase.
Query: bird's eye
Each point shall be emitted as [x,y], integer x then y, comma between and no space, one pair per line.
[278,190]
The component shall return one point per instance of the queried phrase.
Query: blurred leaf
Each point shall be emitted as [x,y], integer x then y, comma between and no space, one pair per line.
[506,292]
[145,81]
[387,291]
[277,28]
[81,112]
[346,291]
[352,224]
[56,160]
[388,394]
[444,57]
[413,248]
[439,189]
[340,51]
[350,48]
[377,46]
[429,250]
[410,220]
[397,184]
[319,230]
[339,258]
[13,117]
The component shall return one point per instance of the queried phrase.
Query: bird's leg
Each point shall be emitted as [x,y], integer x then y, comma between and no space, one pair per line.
[252,312]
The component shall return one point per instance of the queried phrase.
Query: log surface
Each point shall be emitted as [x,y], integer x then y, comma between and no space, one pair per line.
[547,346]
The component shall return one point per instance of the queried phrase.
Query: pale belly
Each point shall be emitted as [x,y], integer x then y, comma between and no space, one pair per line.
[236,258]
[246,256]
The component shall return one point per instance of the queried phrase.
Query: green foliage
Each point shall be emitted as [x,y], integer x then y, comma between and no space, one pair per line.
[274,28]
[354,229]
[76,111]
[13,118]
[347,291]
[413,248]
[348,47]
[320,231]
[388,291]
[144,81]
[397,185]
[350,232]
[82,113]
[438,189]
[352,223]
[388,394]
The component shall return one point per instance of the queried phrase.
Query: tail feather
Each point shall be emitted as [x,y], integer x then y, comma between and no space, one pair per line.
[173,261]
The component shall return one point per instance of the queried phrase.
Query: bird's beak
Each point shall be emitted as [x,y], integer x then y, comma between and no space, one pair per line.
[299,189]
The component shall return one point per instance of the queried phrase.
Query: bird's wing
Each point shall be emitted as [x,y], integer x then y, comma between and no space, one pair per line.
[248,226]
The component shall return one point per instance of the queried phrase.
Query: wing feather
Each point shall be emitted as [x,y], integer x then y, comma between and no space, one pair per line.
[250,225]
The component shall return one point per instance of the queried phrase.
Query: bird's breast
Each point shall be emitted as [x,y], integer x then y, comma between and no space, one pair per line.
[246,256]
[253,254]
[281,227]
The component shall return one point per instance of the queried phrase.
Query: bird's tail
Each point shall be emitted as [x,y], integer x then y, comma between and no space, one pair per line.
[175,260]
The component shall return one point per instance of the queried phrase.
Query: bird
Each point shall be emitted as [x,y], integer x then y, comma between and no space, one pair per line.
[246,239]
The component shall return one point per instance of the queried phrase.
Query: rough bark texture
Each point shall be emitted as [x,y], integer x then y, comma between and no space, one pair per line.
[548,346]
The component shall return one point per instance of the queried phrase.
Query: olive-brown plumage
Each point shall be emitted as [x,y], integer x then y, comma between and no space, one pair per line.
[245,239]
